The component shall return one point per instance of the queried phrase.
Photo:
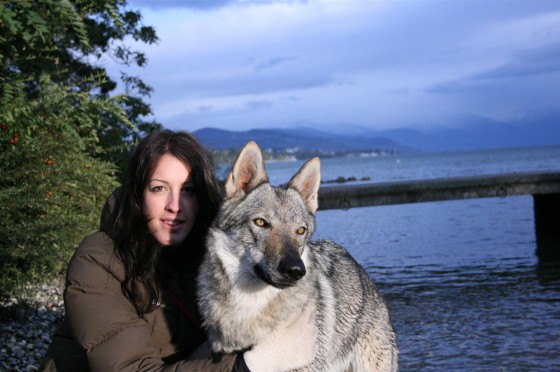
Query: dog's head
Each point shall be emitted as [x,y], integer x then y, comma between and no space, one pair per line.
[270,225]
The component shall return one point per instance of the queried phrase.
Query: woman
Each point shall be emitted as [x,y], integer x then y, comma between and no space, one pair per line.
[130,288]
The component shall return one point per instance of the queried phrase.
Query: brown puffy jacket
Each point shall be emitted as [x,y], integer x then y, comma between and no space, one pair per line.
[103,332]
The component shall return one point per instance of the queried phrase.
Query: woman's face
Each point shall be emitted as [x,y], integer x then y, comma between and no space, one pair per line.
[170,204]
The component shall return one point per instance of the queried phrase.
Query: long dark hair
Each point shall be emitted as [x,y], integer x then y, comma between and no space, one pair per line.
[138,250]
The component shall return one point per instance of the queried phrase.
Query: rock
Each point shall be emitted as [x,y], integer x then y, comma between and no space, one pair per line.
[26,327]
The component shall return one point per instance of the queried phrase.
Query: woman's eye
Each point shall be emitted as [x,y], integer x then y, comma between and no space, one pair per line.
[157,188]
[189,189]
[301,231]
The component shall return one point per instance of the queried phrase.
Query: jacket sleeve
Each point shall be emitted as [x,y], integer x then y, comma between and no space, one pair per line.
[104,322]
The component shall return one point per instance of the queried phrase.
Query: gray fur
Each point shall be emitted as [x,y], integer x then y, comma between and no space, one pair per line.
[254,277]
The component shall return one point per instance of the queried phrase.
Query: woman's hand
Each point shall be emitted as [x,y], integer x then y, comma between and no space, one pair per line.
[293,345]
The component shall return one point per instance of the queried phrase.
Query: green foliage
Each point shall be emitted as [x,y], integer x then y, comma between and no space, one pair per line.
[52,190]
[63,137]
[65,40]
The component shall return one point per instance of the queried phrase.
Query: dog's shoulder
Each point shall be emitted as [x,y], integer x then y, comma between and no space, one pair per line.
[328,250]
[336,264]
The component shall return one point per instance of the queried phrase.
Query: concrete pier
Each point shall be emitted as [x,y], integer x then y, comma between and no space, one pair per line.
[543,186]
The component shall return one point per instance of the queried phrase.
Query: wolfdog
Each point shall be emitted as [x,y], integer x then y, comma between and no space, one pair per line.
[260,267]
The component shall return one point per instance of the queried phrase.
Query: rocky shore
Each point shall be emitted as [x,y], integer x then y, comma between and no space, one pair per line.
[27,325]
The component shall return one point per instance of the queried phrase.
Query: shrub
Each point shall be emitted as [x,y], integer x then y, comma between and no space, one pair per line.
[52,187]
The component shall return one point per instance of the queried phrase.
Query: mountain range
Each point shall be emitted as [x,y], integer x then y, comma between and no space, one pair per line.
[472,133]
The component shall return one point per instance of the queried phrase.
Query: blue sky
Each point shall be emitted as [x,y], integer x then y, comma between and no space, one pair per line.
[380,64]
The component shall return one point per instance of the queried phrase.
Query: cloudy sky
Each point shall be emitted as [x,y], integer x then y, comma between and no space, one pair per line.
[236,64]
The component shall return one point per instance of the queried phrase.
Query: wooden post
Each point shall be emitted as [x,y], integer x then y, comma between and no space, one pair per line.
[547,226]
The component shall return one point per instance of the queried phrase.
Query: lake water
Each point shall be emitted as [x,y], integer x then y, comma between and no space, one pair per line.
[464,287]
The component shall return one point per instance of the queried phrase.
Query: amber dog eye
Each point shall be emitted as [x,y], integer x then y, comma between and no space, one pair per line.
[301,231]
[260,222]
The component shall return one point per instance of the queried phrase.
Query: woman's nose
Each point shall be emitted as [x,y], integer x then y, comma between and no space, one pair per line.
[174,202]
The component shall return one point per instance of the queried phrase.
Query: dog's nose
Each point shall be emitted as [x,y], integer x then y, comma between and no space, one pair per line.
[292,267]
[296,272]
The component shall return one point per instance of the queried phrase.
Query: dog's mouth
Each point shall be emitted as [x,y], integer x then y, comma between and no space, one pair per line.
[280,282]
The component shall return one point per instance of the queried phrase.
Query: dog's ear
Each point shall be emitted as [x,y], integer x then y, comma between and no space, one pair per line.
[307,181]
[248,171]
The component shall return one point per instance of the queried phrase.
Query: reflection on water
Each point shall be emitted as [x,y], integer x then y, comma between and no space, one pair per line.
[477,317]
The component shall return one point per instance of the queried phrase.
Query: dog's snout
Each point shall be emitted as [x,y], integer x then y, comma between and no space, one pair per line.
[292,267]
[296,272]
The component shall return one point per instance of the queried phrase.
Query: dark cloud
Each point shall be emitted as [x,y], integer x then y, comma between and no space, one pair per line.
[526,63]
[259,104]
[202,4]
[451,87]
[523,64]
[253,84]
[192,4]
[205,108]
[273,62]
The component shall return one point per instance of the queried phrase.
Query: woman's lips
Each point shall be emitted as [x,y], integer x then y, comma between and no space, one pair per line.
[173,224]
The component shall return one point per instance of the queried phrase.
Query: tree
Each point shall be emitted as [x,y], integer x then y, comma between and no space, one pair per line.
[65,40]
[63,135]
